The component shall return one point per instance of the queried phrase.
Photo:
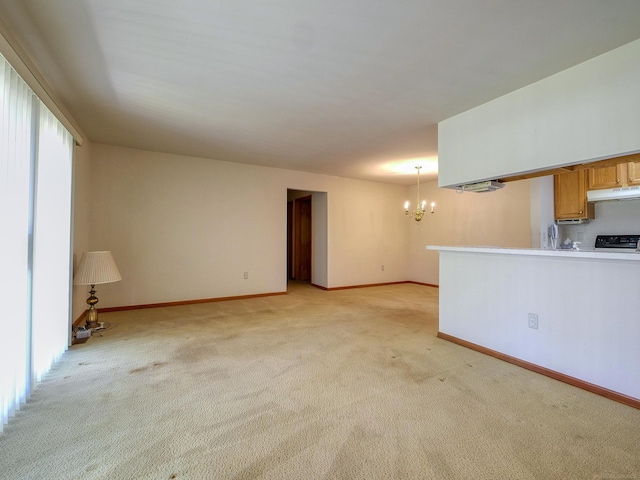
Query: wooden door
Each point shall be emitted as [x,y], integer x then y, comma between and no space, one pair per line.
[302,239]
[290,272]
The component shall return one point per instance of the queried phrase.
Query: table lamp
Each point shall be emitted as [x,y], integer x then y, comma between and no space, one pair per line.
[95,268]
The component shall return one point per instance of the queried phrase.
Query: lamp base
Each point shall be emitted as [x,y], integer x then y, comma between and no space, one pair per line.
[91,318]
[92,312]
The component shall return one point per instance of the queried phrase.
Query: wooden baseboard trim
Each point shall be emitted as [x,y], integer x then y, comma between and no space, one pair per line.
[425,284]
[348,287]
[188,302]
[239,297]
[576,382]
[372,285]
[77,321]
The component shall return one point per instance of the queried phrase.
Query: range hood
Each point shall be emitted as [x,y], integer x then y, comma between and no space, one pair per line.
[488,186]
[620,193]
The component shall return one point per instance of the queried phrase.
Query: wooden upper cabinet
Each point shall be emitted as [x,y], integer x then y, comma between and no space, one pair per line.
[610,176]
[608,173]
[570,197]
[570,192]
[633,173]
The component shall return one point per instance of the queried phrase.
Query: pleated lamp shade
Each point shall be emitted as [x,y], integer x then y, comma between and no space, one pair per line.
[95,268]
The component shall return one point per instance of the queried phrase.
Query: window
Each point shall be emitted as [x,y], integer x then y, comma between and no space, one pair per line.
[35,239]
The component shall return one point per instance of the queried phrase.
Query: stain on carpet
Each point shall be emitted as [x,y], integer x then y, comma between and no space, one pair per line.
[147,367]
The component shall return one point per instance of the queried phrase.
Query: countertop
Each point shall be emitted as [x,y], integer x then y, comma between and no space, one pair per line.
[541,252]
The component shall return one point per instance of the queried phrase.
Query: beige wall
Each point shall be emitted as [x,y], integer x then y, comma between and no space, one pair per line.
[500,218]
[185,228]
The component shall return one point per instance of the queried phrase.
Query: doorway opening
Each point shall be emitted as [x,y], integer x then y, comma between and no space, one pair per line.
[307,237]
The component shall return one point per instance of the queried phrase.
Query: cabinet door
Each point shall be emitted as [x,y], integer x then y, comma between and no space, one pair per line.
[570,192]
[633,173]
[606,177]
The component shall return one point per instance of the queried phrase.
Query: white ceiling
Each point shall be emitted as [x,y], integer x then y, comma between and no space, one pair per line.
[352,88]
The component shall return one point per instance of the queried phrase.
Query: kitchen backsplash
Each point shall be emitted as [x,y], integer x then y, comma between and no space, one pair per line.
[615,218]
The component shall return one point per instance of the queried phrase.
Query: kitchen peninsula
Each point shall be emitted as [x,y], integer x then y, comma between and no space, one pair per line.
[585,305]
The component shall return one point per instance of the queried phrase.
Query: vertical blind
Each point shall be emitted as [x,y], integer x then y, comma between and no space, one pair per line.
[35,240]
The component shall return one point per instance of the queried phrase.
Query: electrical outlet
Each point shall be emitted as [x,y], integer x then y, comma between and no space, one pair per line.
[246,275]
[383,268]
[533,320]
[580,236]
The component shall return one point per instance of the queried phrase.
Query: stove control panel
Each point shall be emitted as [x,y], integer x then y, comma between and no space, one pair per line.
[626,242]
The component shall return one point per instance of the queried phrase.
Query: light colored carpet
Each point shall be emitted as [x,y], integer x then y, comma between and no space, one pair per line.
[349,384]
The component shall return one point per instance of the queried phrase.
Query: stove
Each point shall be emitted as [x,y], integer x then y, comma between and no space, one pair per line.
[617,243]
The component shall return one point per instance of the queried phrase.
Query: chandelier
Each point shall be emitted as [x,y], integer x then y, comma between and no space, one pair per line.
[420,206]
